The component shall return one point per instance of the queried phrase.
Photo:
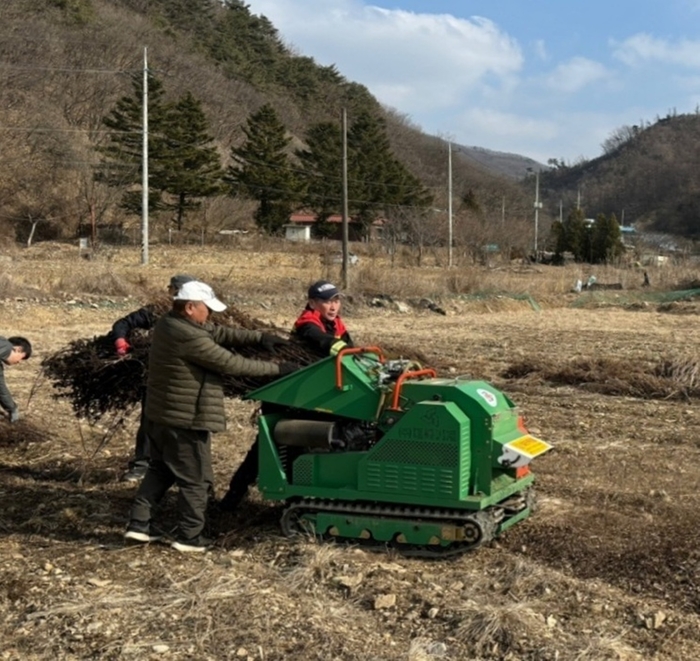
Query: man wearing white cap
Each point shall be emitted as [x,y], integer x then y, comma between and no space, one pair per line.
[185,405]
[144,318]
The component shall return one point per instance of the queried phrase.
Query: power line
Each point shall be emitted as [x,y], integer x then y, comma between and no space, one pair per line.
[66,70]
[38,129]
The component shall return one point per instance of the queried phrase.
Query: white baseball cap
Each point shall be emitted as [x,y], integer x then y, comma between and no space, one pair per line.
[199,291]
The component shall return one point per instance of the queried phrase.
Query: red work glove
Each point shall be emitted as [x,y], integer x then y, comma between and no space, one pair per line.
[122,346]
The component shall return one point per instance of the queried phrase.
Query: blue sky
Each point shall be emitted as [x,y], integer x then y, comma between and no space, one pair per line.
[541,78]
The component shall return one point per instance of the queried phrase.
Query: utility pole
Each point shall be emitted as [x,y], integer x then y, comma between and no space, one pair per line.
[538,206]
[144,165]
[344,267]
[449,204]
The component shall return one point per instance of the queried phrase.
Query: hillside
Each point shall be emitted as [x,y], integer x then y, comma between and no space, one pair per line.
[510,165]
[647,177]
[67,62]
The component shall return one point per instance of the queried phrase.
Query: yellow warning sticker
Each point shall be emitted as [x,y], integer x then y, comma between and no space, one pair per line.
[529,446]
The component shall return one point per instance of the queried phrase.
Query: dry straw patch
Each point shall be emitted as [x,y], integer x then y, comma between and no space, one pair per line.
[497,629]
[317,564]
[606,648]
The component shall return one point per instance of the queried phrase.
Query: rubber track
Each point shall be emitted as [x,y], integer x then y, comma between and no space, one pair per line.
[495,514]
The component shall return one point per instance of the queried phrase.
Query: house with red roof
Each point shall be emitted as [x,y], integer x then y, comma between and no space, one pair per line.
[300,223]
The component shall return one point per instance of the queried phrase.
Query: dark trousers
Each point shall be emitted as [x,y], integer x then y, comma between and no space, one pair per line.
[142,451]
[245,475]
[181,457]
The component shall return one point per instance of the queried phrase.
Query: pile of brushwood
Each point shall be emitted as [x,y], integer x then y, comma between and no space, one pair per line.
[670,378]
[97,382]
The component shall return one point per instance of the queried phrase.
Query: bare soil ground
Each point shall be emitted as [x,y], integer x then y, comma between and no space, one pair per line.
[607,568]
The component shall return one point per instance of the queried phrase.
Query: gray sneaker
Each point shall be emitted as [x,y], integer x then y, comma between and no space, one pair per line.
[198,544]
[142,532]
[135,474]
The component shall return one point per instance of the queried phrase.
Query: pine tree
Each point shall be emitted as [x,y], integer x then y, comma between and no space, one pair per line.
[122,163]
[321,163]
[577,235]
[262,170]
[190,168]
[558,238]
[181,161]
[377,180]
[606,240]
[596,243]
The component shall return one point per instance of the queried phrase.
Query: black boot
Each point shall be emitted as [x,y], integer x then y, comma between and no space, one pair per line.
[232,500]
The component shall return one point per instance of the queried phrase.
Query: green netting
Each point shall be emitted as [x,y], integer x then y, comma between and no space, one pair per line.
[485,296]
[620,297]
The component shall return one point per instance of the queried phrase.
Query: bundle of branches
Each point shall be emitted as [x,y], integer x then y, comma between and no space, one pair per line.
[96,381]
[670,379]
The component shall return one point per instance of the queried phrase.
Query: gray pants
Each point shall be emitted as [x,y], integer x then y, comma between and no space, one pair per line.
[181,457]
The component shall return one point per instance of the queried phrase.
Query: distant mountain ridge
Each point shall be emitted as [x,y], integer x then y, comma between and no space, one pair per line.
[647,177]
[506,164]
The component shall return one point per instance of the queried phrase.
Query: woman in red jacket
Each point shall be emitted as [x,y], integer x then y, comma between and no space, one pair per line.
[320,325]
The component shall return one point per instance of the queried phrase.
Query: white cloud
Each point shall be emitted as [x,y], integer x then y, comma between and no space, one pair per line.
[689,84]
[467,77]
[415,62]
[582,133]
[576,74]
[643,48]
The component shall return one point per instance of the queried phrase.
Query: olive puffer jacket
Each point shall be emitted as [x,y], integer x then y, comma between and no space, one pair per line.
[186,367]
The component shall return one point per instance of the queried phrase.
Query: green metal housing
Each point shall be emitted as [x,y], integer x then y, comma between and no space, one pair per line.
[406,452]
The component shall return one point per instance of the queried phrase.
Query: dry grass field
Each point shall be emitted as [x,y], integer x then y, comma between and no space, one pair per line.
[607,568]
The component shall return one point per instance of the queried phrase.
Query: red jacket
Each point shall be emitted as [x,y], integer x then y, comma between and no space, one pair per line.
[318,333]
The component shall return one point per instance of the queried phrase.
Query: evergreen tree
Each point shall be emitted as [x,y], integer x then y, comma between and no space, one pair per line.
[262,171]
[606,240]
[181,161]
[596,243]
[122,163]
[577,235]
[377,180]
[558,238]
[321,163]
[191,167]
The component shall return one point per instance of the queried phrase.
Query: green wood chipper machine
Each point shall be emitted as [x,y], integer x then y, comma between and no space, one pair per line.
[386,453]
